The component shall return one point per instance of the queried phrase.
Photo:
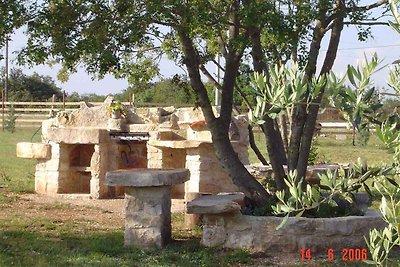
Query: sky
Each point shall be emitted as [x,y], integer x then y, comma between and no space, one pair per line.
[386,43]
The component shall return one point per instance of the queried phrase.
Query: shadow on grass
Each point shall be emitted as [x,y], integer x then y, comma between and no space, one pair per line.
[27,248]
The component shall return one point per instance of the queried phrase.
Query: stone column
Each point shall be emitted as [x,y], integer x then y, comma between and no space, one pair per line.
[147,203]
[147,216]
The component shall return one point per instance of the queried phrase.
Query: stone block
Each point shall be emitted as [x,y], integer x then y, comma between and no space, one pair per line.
[146,237]
[154,164]
[78,135]
[136,220]
[260,234]
[54,165]
[213,236]
[240,240]
[55,150]
[215,204]
[33,150]
[146,177]
[147,216]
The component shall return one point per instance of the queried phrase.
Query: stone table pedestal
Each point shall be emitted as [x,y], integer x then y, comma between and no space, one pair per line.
[147,203]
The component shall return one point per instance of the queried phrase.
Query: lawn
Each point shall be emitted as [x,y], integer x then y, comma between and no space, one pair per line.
[16,173]
[65,234]
[339,151]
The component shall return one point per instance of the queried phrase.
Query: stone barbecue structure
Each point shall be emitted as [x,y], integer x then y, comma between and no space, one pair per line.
[78,148]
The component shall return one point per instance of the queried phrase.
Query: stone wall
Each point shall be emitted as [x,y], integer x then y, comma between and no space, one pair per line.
[259,234]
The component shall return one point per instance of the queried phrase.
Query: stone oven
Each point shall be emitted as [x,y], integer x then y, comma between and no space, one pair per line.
[79,147]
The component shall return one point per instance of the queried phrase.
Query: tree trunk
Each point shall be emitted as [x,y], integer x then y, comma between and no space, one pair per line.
[219,127]
[230,161]
[275,148]
[313,113]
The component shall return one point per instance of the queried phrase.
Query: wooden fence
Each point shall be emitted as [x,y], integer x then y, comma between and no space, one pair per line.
[31,114]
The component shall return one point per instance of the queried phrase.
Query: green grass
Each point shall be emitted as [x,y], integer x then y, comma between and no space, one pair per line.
[335,151]
[38,240]
[16,173]
[41,238]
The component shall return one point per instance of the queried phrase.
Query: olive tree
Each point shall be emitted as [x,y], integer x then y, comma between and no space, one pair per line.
[126,37]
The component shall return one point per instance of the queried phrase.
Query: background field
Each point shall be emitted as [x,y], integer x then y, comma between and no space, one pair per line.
[339,151]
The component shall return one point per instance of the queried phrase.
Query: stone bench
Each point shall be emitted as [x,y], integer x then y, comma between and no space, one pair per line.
[216,204]
[224,225]
[147,203]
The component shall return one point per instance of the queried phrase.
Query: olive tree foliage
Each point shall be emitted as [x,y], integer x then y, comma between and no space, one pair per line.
[128,38]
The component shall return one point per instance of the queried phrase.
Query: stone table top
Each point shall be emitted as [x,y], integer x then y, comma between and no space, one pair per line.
[140,177]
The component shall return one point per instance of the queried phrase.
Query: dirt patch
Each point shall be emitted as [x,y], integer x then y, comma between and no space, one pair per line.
[106,213]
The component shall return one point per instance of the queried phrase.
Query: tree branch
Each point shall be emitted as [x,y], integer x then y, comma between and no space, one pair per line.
[222,46]
[366,23]
[367,7]
[191,60]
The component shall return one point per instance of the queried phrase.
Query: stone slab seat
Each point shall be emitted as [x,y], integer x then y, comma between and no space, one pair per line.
[142,177]
[216,204]
[33,150]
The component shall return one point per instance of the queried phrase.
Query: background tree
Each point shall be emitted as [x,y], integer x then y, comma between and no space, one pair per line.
[174,90]
[120,36]
[35,87]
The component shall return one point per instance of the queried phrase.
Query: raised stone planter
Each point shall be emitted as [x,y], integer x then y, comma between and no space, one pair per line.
[147,203]
[224,225]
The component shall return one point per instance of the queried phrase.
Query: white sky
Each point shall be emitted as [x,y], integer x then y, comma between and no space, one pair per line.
[386,43]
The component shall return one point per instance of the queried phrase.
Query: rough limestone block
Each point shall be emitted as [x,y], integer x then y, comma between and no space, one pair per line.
[33,150]
[215,204]
[147,216]
[213,236]
[78,135]
[260,234]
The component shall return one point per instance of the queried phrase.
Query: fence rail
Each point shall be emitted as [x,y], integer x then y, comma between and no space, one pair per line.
[31,114]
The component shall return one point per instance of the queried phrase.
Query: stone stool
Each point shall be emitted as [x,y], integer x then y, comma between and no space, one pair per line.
[147,203]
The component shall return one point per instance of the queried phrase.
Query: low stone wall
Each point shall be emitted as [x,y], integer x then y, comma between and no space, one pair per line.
[256,233]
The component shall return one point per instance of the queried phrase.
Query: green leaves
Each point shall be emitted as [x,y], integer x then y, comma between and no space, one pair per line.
[381,242]
[283,88]
[396,15]
[359,101]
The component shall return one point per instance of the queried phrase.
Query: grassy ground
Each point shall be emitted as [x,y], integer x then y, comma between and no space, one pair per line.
[339,151]
[15,173]
[63,234]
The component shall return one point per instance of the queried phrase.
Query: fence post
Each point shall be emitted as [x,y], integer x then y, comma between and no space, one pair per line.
[63,99]
[2,107]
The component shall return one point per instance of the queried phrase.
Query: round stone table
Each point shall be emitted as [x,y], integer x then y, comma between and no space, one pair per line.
[147,203]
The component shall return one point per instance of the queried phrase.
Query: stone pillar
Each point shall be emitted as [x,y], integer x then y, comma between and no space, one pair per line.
[147,216]
[147,203]
[154,157]
[206,173]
